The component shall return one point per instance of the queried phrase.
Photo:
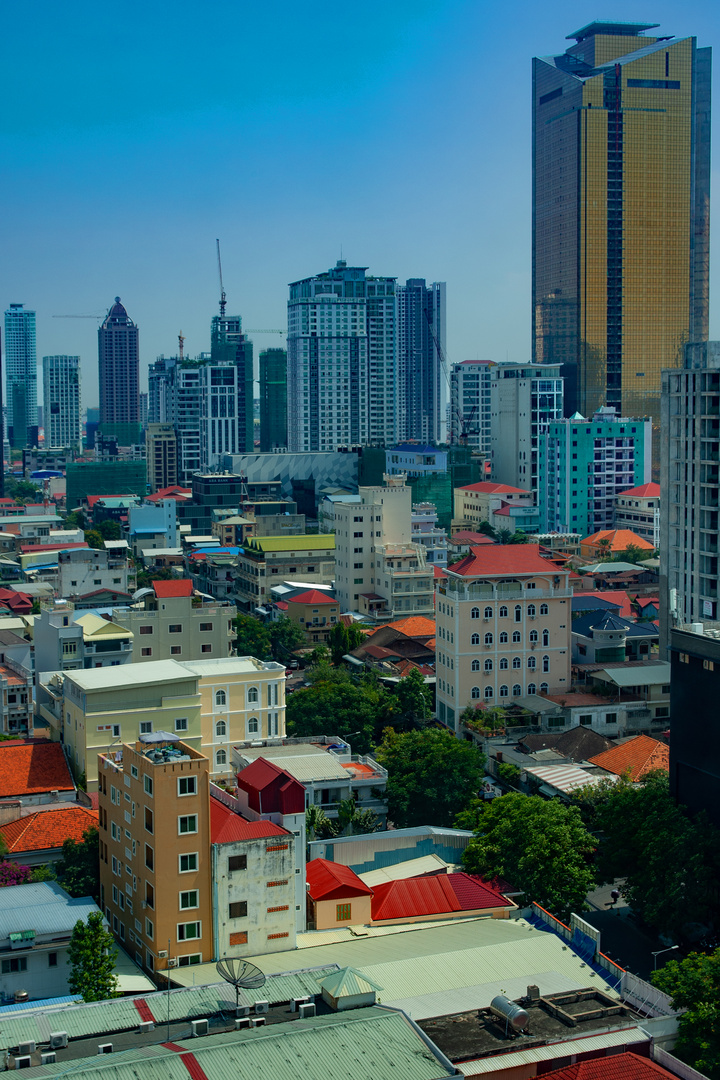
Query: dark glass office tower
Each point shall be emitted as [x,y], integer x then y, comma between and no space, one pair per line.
[621,214]
[273,399]
[118,358]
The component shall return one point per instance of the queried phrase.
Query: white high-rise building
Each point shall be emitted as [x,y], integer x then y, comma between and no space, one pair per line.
[470,404]
[524,399]
[21,376]
[342,360]
[62,416]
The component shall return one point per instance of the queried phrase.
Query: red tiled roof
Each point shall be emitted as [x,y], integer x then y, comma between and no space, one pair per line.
[504,510]
[625,1066]
[434,895]
[312,596]
[613,596]
[489,488]
[182,587]
[620,539]
[333,881]
[28,549]
[281,605]
[416,626]
[645,491]
[48,829]
[226,827]
[177,493]
[439,572]
[466,536]
[503,559]
[30,768]
[638,756]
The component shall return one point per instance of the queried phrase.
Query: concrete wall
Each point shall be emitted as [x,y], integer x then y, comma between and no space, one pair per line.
[267,886]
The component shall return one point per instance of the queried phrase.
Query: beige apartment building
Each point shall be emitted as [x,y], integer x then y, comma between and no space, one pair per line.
[169,622]
[155,854]
[268,560]
[503,629]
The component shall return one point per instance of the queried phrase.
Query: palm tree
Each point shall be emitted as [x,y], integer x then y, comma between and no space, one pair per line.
[316,821]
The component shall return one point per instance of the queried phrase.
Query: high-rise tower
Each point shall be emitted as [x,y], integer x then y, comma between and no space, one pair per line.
[21,376]
[273,399]
[621,189]
[118,356]
[422,397]
[61,400]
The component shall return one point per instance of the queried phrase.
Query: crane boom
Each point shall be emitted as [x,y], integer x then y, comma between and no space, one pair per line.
[223,298]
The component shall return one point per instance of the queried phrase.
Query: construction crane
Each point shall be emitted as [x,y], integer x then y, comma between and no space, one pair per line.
[263,331]
[101,316]
[223,298]
[465,421]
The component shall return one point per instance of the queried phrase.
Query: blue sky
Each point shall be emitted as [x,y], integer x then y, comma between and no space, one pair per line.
[134,134]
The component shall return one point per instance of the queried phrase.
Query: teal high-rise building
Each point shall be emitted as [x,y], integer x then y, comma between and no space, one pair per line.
[273,399]
[21,376]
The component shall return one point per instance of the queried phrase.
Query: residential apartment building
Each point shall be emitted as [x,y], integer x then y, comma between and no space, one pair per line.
[315,612]
[585,464]
[421,385]
[381,571]
[503,629]
[690,490]
[621,200]
[20,364]
[62,412]
[426,531]
[170,622]
[342,352]
[174,398]
[498,505]
[524,399]
[161,452]
[273,400]
[118,364]
[67,639]
[228,345]
[470,404]
[85,570]
[152,525]
[638,509]
[266,560]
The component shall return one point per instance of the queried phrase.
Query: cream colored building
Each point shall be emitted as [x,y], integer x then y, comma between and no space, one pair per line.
[170,623]
[503,629]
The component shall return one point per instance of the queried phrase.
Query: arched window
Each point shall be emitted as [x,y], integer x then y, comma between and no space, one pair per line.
[516,637]
[488,613]
[503,663]
[488,639]
[488,664]
[517,662]
[503,612]
[546,663]
[503,638]
[518,613]
[475,613]
[475,666]
[503,691]
[543,609]
[531,663]
[517,690]
[488,692]
[253,694]
[531,610]
[544,688]
[475,692]
[475,639]
[220,729]
[253,726]
[220,697]
[532,688]
[546,637]
[221,757]
[533,635]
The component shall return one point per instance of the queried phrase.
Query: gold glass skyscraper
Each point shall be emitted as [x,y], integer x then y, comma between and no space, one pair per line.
[621,212]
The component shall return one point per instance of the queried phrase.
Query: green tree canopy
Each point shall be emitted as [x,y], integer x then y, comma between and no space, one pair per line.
[539,846]
[253,638]
[285,635]
[110,530]
[22,491]
[432,776]
[414,701]
[79,868]
[694,984]
[94,539]
[92,956]
[333,708]
[343,639]
[145,578]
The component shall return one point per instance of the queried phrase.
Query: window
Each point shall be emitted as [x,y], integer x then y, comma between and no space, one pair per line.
[206,648]
[475,639]
[504,664]
[343,912]
[533,636]
[475,613]
[149,857]
[189,931]
[546,637]
[475,692]
[503,691]
[237,862]
[221,758]
[546,663]
[220,729]
[189,899]
[253,695]
[488,639]
[238,910]
[488,692]
[175,628]
[475,666]
[488,664]
[544,689]
[15,964]
[191,958]
[517,690]
[146,652]
[205,627]
[503,638]
[543,609]
[149,895]
[253,725]
[611,718]
[516,637]
[503,612]
[585,719]
[187,823]
[666,688]
[532,688]
[146,629]
[175,650]
[220,697]
[531,663]
[684,658]
[148,820]
[181,723]
[188,862]
[52,959]
[517,662]
[145,727]
[531,610]
[187,785]
[147,785]
[518,613]
[488,613]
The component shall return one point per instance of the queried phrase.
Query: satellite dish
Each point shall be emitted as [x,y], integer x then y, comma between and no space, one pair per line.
[241,974]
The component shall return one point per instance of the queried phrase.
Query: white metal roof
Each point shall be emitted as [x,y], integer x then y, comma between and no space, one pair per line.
[230,665]
[481,1066]
[426,864]
[304,767]
[642,675]
[109,678]
[566,777]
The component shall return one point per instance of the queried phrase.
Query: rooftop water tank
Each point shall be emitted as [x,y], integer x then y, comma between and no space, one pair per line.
[510,1011]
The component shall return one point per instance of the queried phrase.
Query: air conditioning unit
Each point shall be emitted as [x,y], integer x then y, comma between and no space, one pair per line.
[172,962]
[242,1022]
[162,955]
[55,795]
[199,1027]
[146,1025]
[297,1002]
[257,1021]
[48,1057]
[58,1039]
[260,1007]
[308,1009]
[105,1048]
[242,1010]
[23,1062]
[26,1047]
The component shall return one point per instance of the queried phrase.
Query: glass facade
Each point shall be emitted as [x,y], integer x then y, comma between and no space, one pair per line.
[273,399]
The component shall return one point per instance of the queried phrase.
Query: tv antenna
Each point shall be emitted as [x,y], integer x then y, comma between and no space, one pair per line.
[241,974]
[223,298]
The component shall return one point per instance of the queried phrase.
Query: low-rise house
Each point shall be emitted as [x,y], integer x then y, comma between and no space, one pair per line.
[609,542]
[67,639]
[575,745]
[634,758]
[167,620]
[638,509]
[336,896]
[15,601]
[82,570]
[481,502]
[212,570]
[37,839]
[267,559]
[602,636]
[33,772]
[638,692]
[152,525]
[315,612]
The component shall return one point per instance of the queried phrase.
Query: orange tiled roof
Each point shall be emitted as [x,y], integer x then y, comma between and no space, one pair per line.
[414,626]
[627,1066]
[645,491]
[638,756]
[620,540]
[488,488]
[29,768]
[503,559]
[180,587]
[48,829]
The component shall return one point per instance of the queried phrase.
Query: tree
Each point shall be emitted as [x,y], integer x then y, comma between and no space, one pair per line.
[343,639]
[44,873]
[333,708]
[252,639]
[317,824]
[12,874]
[414,700]
[508,773]
[110,530]
[540,846]
[694,984]
[432,776]
[485,721]
[93,538]
[285,635]
[22,491]
[79,869]
[75,520]
[92,956]
[145,578]
[633,554]
[603,549]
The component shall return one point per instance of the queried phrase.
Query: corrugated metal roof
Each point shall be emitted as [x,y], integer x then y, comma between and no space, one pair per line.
[347,983]
[546,1053]
[567,777]
[43,907]
[304,767]
[46,1003]
[426,864]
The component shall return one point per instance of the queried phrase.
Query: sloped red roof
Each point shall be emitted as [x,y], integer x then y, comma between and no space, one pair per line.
[333,881]
[434,895]
[259,773]
[29,549]
[312,596]
[227,827]
[177,493]
[620,539]
[613,596]
[503,559]
[182,587]
[625,1066]
[92,499]
[638,756]
[645,491]
[489,488]
[439,572]
[466,536]
[48,829]
[416,626]
[30,768]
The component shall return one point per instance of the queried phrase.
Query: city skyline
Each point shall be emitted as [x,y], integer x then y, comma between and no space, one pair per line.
[361,168]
